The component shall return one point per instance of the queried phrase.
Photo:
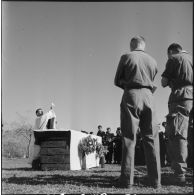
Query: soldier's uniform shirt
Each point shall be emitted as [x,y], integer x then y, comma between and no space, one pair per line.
[136,70]
[179,72]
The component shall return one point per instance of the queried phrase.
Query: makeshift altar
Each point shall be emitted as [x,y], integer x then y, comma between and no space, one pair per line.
[60,150]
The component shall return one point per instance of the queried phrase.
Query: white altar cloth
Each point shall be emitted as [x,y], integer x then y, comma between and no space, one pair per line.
[76,160]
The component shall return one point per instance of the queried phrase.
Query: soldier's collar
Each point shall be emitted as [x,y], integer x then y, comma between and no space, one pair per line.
[139,50]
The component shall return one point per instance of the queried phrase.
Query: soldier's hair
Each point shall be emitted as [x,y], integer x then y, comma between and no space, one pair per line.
[135,41]
[175,47]
[99,126]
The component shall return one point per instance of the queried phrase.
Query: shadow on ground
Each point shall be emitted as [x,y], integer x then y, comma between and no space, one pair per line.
[101,177]
[93,180]
[166,180]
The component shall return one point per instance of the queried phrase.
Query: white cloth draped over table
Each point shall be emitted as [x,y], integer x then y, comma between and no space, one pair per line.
[75,156]
[40,123]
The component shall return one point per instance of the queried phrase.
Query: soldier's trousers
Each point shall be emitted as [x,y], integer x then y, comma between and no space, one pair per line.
[177,133]
[137,112]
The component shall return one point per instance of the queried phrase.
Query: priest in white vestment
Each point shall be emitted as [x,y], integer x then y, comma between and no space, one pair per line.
[43,121]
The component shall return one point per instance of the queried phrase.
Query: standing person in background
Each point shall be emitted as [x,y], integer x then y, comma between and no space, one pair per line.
[178,75]
[109,144]
[102,134]
[43,121]
[118,146]
[162,148]
[135,75]
[167,158]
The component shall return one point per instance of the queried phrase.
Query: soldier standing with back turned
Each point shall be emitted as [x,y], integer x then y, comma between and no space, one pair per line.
[135,75]
[178,75]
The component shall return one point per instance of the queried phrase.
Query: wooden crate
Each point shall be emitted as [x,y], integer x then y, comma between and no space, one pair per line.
[54,151]
[55,155]
[54,144]
[58,159]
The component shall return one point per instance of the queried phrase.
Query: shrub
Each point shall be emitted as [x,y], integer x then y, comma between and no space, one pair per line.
[13,149]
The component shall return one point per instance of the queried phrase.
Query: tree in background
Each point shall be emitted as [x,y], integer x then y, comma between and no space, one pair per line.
[26,131]
[13,148]
[16,140]
[24,128]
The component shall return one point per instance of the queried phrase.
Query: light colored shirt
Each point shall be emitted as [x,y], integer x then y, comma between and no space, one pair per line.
[41,122]
[136,69]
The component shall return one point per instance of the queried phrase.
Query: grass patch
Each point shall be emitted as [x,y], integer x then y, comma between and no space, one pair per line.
[19,178]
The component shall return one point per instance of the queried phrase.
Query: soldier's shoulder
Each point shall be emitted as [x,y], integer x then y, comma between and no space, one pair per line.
[187,55]
[126,55]
[182,56]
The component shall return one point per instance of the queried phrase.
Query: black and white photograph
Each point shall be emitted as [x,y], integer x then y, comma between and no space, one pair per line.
[97,97]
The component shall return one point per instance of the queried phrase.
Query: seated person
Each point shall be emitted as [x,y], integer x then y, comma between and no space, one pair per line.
[43,121]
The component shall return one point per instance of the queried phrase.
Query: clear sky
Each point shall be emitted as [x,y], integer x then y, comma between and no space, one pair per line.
[68,52]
